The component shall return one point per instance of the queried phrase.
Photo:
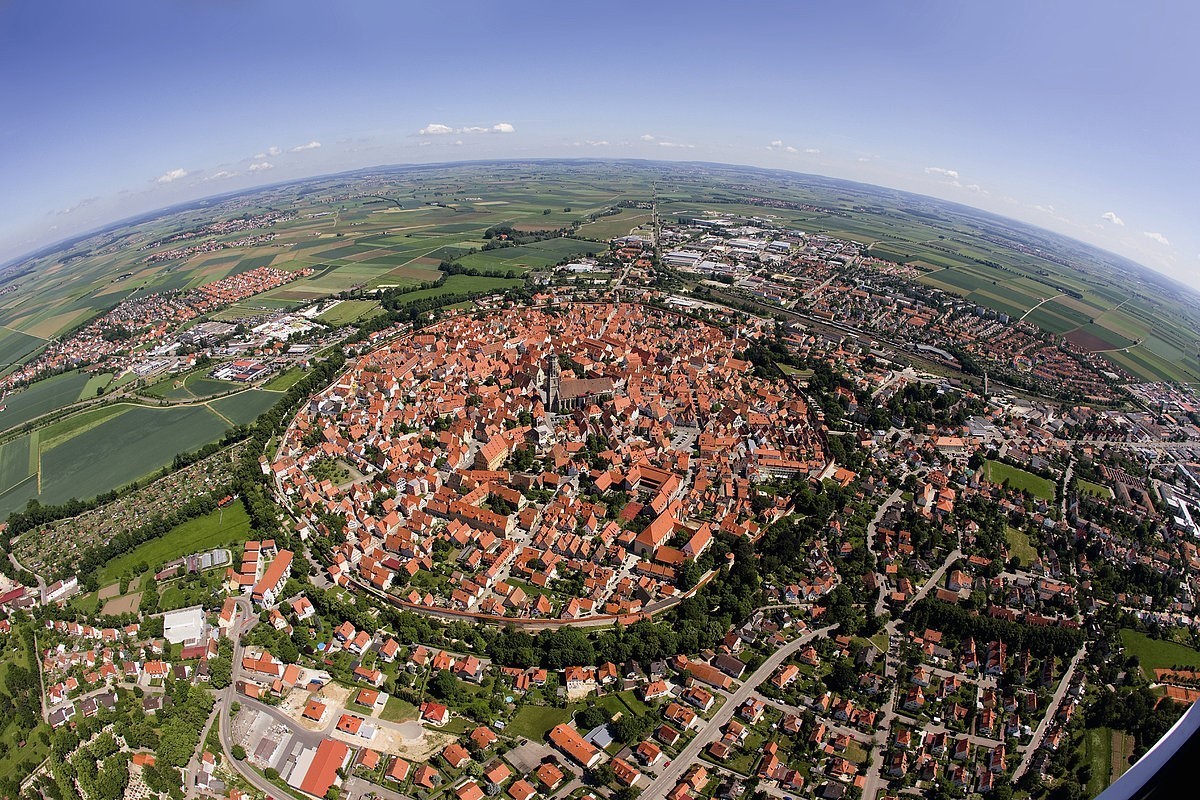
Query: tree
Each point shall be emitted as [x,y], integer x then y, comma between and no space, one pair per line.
[238,752]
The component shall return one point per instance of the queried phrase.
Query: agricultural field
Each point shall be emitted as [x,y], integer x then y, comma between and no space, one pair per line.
[393,226]
[244,407]
[999,472]
[1155,654]
[348,311]
[46,396]
[130,441]
[284,380]
[222,528]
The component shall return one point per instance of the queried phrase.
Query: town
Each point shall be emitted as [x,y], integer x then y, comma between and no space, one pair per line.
[728,510]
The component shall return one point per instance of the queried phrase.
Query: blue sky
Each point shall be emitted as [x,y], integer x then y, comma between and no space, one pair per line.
[1077,116]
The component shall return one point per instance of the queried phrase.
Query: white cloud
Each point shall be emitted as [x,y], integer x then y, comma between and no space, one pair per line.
[1111,216]
[425,143]
[812,151]
[975,187]
[1047,209]
[438,129]
[645,137]
[313,145]
[220,175]
[791,149]
[1158,237]
[945,173]
[84,203]
[270,151]
[775,145]
[259,166]
[173,175]
[675,144]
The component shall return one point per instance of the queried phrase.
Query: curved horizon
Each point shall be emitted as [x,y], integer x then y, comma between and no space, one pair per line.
[178,207]
[1012,110]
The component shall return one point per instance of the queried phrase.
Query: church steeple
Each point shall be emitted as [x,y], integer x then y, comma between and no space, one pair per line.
[553,378]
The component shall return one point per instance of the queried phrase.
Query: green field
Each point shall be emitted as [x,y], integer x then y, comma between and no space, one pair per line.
[194,385]
[19,758]
[221,528]
[1019,546]
[42,398]
[244,407]
[348,311]
[534,722]
[284,380]
[1155,654]
[1094,489]
[102,449]
[398,710]
[999,472]
[1097,751]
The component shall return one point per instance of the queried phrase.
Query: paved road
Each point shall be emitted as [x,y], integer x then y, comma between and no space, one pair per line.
[243,619]
[892,499]
[711,731]
[1027,750]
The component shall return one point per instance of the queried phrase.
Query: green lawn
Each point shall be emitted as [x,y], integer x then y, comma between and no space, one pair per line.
[1157,654]
[285,380]
[221,528]
[999,472]
[20,757]
[1097,751]
[534,722]
[397,710]
[1087,487]
[348,311]
[1019,546]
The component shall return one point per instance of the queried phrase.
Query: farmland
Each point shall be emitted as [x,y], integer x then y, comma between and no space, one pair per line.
[391,227]
[46,396]
[130,441]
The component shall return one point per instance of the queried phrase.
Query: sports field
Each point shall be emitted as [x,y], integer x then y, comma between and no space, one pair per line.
[1155,654]
[999,472]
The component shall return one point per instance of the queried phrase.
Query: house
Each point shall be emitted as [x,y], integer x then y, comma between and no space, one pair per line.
[317,768]
[483,737]
[398,770]
[626,773]
[435,713]
[549,775]
[565,738]
[314,710]
[522,790]
[456,755]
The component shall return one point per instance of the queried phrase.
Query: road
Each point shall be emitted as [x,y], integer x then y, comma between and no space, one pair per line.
[244,618]
[1027,750]
[711,731]
[892,499]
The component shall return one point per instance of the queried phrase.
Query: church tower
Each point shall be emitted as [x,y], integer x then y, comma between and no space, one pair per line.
[553,378]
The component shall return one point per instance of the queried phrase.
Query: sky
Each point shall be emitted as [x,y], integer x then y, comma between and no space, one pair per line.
[1080,117]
